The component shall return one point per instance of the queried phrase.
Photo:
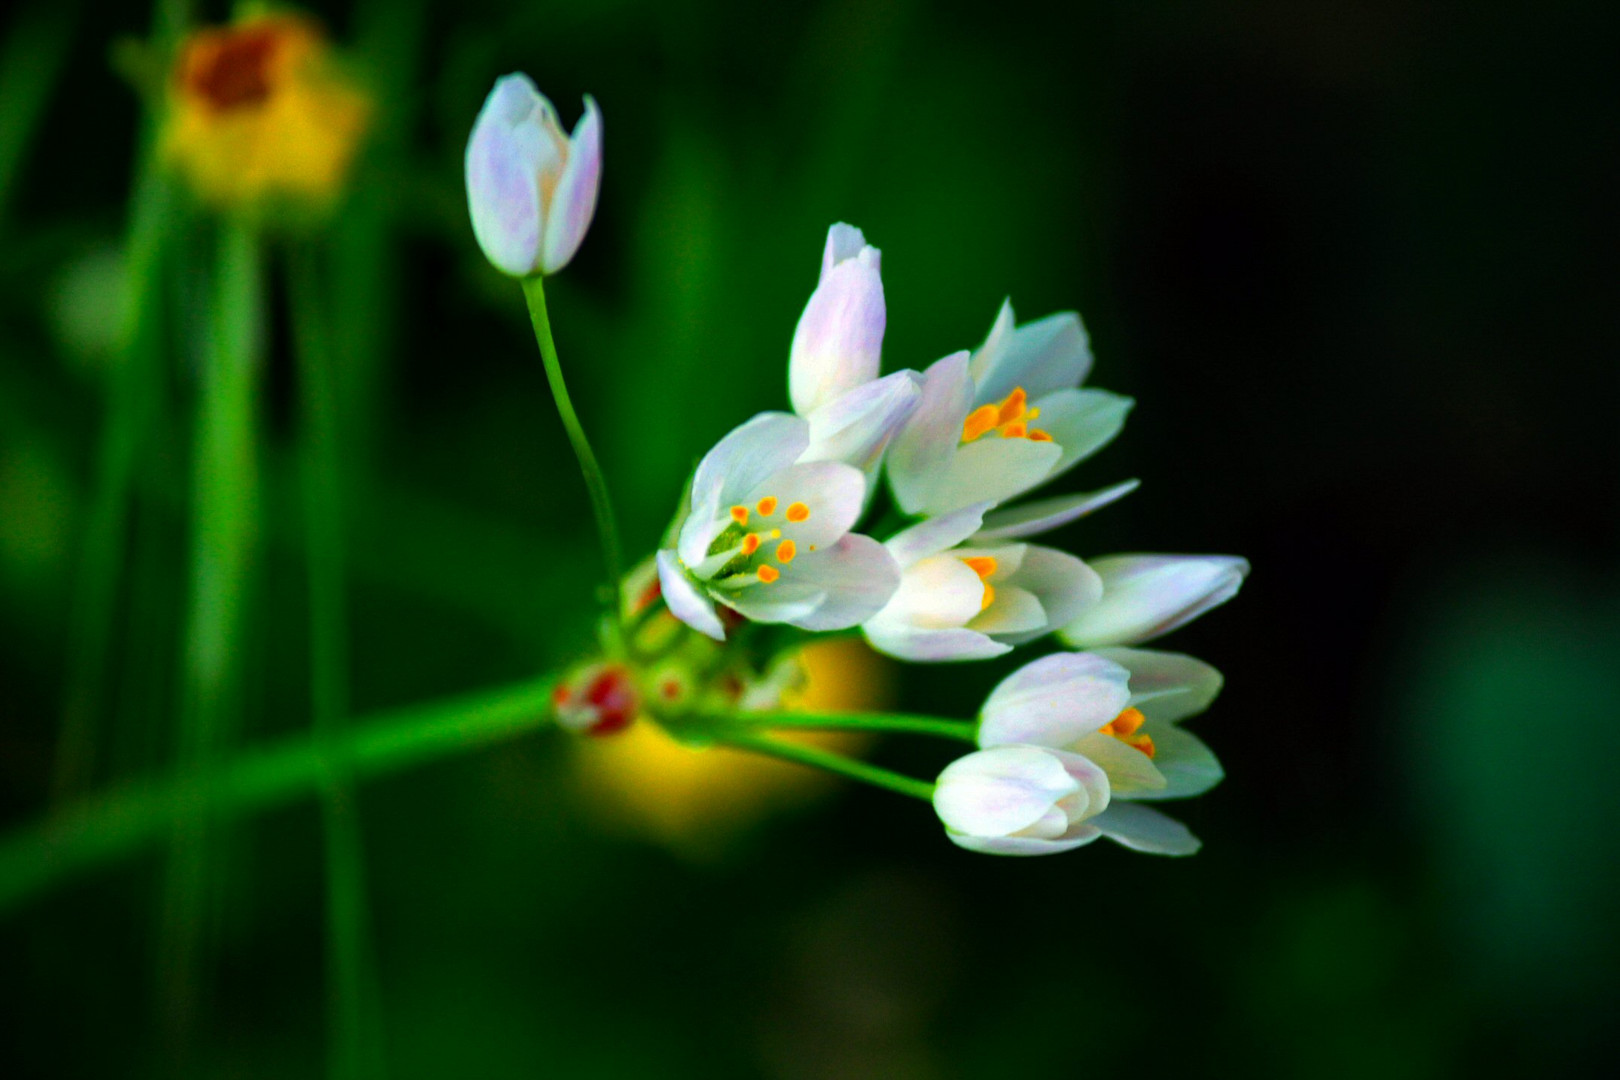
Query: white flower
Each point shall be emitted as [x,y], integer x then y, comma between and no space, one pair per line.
[1009,418]
[1117,709]
[1146,596]
[832,370]
[1020,800]
[767,535]
[838,343]
[972,602]
[530,189]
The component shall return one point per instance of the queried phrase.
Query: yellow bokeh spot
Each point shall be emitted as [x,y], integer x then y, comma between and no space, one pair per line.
[646,784]
[257,110]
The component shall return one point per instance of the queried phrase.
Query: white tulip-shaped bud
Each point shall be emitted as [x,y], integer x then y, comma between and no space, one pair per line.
[531,189]
[838,343]
[1146,596]
[1020,800]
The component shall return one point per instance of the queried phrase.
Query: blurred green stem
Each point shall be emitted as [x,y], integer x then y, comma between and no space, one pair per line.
[30,62]
[225,507]
[595,483]
[134,390]
[353,1019]
[828,762]
[100,829]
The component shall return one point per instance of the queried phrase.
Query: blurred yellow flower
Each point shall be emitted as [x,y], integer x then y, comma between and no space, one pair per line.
[257,110]
[692,799]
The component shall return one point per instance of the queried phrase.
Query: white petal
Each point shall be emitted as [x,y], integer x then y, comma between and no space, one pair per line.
[833,492]
[1145,596]
[1033,518]
[991,468]
[1062,583]
[856,426]
[746,456]
[843,242]
[905,642]
[1167,686]
[1002,790]
[1145,829]
[777,602]
[1188,766]
[858,575]
[926,444]
[505,154]
[936,534]
[1054,701]
[838,343]
[938,593]
[573,201]
[1081,422]
[684,600]
[1077,836]
[1131,773]
[1046,355]
[1014,611]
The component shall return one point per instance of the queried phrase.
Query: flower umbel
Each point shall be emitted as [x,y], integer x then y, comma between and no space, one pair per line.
[771,549]
[259,111]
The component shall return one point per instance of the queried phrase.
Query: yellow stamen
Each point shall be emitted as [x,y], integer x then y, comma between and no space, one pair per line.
[776,534]
[1012,406]
[989,596]
[979,421]
[739,514]
[785,551]
[766,506]
[1125,728]
[1010,417]
[798,512]
[983,565]
[750,543]
[768,574]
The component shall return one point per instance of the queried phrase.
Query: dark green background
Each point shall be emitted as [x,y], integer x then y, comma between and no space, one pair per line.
[1357,263]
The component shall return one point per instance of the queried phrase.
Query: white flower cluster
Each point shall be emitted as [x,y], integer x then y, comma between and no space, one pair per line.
[768,533]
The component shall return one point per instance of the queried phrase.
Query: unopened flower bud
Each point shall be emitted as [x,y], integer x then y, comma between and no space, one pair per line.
[530,188]
[599,700]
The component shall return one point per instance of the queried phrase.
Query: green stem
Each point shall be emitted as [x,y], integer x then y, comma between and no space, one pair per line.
[828,762]
[595,483]
[225,506]
[119,823]
[895,723]
[350,973]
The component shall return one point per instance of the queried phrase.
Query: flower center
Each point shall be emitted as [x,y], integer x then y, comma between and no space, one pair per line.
[749,541]
[984,566]
[1010,418]
[230,69]
[1125,726]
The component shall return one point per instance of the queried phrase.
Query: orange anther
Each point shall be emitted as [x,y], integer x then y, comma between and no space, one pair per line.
[979,421]
[785,551]
[768,574]
[1037,435]
[989,596]
[798,512]
[1013,431]
[739,514]
[766,506]
[983,565]
[750,543]
[1012,406]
